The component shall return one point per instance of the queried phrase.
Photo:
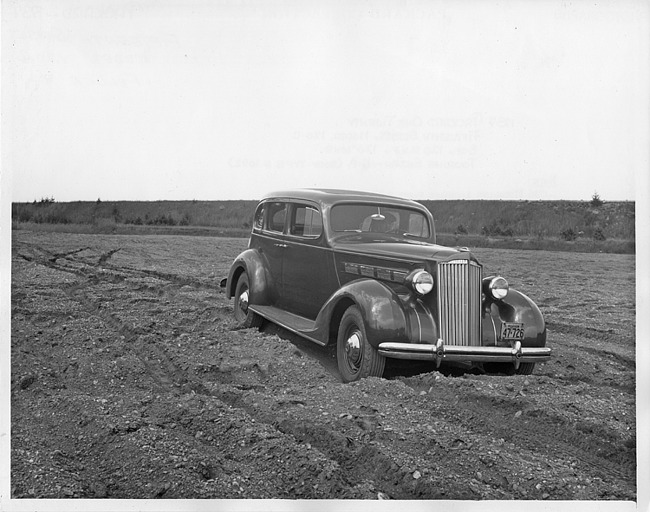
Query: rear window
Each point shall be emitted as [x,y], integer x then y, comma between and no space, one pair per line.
[258,223]
[277,214]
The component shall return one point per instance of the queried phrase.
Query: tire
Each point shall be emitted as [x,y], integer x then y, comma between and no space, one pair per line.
[494,368]
[356,357]
[525,369]
[509,368]
[244,317]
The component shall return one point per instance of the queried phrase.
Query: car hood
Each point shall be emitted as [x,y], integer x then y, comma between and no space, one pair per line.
[402,249]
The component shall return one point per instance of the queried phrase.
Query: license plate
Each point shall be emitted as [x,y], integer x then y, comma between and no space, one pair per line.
[512,331]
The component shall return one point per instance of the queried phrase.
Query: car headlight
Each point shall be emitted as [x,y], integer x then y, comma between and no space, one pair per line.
[498,287]
[421,281]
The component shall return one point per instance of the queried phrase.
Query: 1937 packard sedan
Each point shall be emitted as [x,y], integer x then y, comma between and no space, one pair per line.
[364,271]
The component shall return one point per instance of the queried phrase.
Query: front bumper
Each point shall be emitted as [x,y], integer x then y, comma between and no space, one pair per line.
[441,352]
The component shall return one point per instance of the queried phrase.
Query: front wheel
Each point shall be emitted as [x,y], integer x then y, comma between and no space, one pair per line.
[525,369]
[243,315]
[509,368]
[355,356]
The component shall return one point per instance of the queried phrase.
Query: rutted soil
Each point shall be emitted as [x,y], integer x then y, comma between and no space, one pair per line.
[130,381]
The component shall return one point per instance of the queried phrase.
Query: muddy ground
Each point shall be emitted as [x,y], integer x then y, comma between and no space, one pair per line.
[128,380]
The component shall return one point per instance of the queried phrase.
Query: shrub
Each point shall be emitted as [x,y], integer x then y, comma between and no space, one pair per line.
[460,230]
[569,235]
[495,229]
[161,220]
[55,218]
[599,235]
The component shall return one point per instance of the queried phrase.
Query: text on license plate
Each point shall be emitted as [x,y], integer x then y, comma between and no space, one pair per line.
[512,331]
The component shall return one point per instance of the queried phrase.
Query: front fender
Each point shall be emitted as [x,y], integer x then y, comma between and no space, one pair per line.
[385,314]
[517,307]
[259,280]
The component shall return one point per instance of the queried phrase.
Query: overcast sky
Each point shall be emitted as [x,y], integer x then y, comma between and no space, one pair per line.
[148,100]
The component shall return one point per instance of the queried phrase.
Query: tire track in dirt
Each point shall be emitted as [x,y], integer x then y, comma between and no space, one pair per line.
[628,389]
[165,375]
[176,375]
[49,259]
[106,256]
[168,376]
[592,333]
[534,428]
[356,459]
[161,370]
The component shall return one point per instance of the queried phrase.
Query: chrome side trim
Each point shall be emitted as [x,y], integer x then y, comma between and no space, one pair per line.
[396,275]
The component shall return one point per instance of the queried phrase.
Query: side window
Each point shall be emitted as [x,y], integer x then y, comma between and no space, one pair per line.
[306,221]
[276,216]
[258,222]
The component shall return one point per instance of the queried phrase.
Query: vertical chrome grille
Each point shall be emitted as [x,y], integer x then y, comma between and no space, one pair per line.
[459,302]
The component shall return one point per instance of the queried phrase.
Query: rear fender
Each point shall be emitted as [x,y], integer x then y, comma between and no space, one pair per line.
[259,281]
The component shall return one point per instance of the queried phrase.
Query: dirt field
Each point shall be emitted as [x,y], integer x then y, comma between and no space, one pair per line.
[128,381]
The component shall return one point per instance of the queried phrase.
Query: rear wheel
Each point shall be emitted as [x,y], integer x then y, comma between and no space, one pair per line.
[243,315]
[355,356]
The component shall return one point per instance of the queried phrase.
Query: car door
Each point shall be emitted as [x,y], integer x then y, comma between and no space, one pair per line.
[308,264]
[269,241]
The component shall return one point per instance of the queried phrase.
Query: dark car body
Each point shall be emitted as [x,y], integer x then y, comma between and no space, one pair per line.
[364,271]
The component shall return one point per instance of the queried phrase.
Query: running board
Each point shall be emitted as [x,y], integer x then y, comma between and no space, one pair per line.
[291,322]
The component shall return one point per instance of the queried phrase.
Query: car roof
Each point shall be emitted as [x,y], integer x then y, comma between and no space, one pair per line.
[332,196]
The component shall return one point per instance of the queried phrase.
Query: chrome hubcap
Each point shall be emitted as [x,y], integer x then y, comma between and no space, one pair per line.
[353,348]
[243,301]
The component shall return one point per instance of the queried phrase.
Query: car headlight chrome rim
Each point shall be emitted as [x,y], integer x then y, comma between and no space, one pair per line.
[422,282]
[498,287]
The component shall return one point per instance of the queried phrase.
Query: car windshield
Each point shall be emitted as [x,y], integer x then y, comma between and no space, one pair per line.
[379,219]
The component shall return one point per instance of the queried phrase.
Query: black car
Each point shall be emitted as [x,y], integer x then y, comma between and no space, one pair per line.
[364,271]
